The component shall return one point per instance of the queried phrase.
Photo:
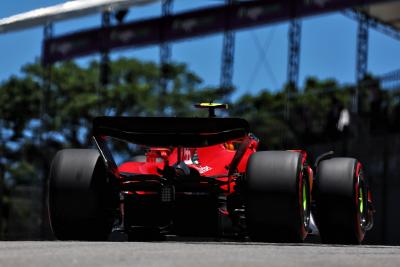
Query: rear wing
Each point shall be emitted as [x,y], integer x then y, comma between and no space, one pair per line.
[167,131]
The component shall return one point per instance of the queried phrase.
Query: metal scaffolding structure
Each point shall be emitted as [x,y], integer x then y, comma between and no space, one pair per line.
[374,23]
[382,15]
[228,55]
[390,80]
[293,61]
[294,52]
[362,56]
[104,53]
[362,46]
[165,56]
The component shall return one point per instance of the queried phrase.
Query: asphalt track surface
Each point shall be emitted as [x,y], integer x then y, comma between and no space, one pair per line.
[192,254]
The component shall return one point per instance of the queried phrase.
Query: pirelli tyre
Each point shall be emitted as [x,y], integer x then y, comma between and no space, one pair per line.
[79,196]
[277,197]
[341,201]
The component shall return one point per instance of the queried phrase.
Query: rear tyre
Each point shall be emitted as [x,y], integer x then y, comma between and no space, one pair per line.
[79,197]
[341,201]
[277,197]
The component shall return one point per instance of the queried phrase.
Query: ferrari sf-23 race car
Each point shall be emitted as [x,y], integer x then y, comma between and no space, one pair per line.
[204,177]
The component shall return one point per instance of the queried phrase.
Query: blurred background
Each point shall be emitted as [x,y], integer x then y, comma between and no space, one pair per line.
[317,75]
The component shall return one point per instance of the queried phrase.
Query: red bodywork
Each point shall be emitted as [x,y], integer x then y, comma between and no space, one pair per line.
[212,161]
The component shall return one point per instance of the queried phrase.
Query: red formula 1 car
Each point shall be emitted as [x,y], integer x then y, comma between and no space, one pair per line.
[204,177]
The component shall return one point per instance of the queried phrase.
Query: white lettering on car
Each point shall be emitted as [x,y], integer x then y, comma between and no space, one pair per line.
[203,169]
